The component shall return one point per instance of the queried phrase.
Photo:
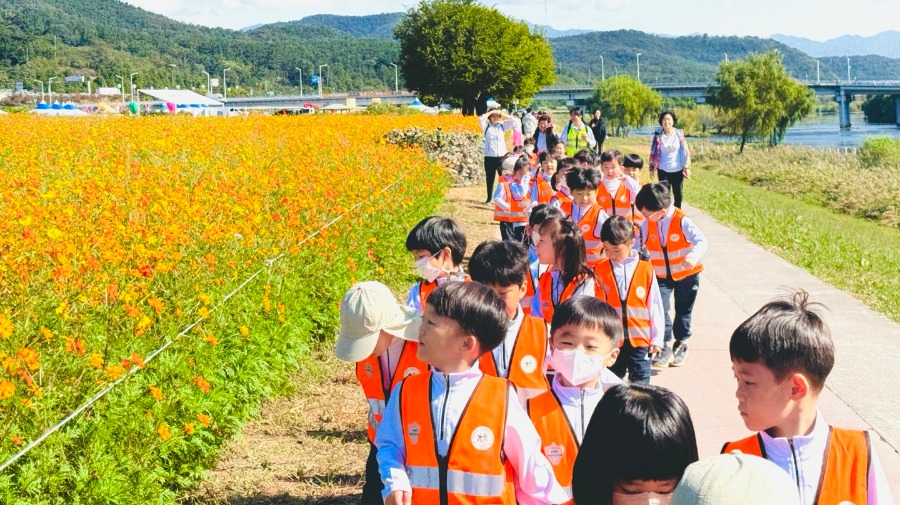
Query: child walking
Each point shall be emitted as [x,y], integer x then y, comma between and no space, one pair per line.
[560,245]
[617,193]
[512,199]
[585,212]
[438,246]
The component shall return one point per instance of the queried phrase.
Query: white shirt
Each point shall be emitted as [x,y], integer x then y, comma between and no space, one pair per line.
[612,185]
[624,273]
[520,190]
[529,124]
[699,244]
[669,145]
[389,361]
[494,138]
[535,482]
[579,403]
[503,352]
[805,461]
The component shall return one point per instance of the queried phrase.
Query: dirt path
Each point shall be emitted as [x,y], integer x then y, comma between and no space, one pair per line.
[310,447]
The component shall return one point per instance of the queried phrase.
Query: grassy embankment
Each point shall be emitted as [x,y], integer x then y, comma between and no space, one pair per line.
[833,214]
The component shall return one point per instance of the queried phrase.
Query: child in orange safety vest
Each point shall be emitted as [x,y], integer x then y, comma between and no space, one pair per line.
[542,187]
[584,210]
[632,164]
[454,435]
[379,335]
[438,246]
[781,357]
[560,245]
[616,194]
[585,338]
[512,198]
[562,198]
[503,267]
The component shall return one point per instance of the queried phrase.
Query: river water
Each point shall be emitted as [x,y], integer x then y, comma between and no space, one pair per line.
[818,131]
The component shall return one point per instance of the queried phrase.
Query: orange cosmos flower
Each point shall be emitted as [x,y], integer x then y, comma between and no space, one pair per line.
[204,420]
[7,389]
[156,392]
[163,431]
[189,428]
[6,327]
[202,384]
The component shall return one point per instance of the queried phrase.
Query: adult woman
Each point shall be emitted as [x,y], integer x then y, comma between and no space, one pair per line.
[494,123]
[669,155]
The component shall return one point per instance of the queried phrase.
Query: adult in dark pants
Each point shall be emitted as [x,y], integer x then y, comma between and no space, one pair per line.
[670,157]
[494,124]
[598,126]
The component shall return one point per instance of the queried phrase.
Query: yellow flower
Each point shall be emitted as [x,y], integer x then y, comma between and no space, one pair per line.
[6,327]
[163,431]
[156,392]
[203,312]
[204,420]
[189,428]
[245,331]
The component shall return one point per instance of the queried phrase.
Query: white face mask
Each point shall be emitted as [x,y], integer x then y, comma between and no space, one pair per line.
[641,499]
[577,367]
[529,149]
[428,271]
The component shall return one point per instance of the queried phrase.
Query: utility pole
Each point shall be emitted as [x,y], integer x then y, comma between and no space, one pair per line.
[172,65]
[848,69]
[321,78]
[122,86]
[639,67]
[817,72]
[396,82]
[42,88]
[602,69]
[298,69]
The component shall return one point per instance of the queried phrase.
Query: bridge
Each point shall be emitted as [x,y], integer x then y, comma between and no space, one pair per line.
[293,101]
[841,91]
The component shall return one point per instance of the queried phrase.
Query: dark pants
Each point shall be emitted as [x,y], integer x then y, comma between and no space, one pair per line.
[675,180]
[633,360]
[492,166]
[513,233]
[371,491]
[685,292]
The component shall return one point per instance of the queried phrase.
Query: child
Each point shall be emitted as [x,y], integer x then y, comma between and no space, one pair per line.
[585,212]
[616,194]
[637,446]
[587,158]
[675,246]
[379,335]
[503,267]
[628,284]
[529,151]
[562,199]
[584,338]
[512,198]
[539,214]
[454,435]
[438,246]
[560,245]
[734,479]
[781,357]
[542,189]
[632,166]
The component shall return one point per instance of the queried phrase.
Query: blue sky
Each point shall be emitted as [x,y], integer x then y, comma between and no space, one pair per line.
[815,19]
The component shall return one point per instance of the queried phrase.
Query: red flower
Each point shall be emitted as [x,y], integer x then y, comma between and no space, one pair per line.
[146,271]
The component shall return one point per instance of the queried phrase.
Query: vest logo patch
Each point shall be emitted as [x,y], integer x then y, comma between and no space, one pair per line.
[482,438]
[585,228]
[603,199]
[640,292]
[623,199]
[369,370]
[528,364]
[674,237]
[410,371]
[413,431]
[554,453]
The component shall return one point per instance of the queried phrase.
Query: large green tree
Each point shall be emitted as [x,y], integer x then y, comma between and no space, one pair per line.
[625,102]
[461,52]
[760,98]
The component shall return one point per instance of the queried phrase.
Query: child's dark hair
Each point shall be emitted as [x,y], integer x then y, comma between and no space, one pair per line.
[583,178]
[616,230]
[637,432]
[568,243]
[612,155]
[787,337]
[475,307]
[586,156]
[633,161]
[566,163]
[435,233]
[653,197]
[528,141]
[545,156]
[499,263]
[591,312]
[543,212]
[522,163]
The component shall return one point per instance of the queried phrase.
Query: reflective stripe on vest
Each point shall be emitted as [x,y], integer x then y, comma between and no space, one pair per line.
[558,442]
[619,205]
[845,467]
[668,261]
[545,285]
[474,470]
[636,317]
[518,209]
[526,363]
[369,374]
[572,138]
[593,247]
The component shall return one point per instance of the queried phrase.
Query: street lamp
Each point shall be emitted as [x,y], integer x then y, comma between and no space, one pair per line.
[320,78]
[172,65]
[224,86]
[122,86]
[817,72]
[726,57]
[396,85]
[42,89]
[848,69]
[131,80]
[208,91]
[50,88]
[639,67]
[602,69]
[298,69]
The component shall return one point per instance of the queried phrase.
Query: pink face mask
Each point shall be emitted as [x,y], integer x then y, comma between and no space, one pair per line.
[641,499]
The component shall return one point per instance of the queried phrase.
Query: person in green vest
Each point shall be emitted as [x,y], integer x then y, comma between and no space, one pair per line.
[576,135]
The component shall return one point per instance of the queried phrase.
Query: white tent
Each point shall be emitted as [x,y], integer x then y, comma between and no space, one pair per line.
[181,97]
[418,105]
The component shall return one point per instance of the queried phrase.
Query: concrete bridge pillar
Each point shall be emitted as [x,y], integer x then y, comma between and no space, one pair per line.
[844,108]
[897,108]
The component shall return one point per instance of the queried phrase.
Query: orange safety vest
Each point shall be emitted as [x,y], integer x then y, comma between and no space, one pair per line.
[518,210]
[668,261]
[544,190]
[369,374]
[545,284]
[425,289]
[525,303]
[844,472]
[615,205]
[565,202]
[526,370]
[475,470]
[558,442]
[636,316]
[593,247]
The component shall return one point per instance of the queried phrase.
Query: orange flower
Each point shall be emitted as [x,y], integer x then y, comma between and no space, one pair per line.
[163,431]
[46,333]
[138,360]
[204,420]
[16,440]
[189,428]
[75,346]
[96,360]
[157,304]
[7,389]
[156,392]
[6,327]
[132,311]
[211,339]
[29,356]
[114,371]
[146,271]
[202,384]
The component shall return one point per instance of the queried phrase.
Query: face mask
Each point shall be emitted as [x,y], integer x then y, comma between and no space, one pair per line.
[577,367]
[529,149]
[428,271]
[641,499]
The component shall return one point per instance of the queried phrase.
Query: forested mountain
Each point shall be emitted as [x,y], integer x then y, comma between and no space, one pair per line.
[100,39]
[883,44]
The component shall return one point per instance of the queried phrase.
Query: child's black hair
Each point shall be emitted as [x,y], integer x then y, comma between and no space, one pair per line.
[528,141]
[544,156]
[637,432]
[498,263]
[475,307]
[590,312]
[543,212]
[612,155]
[435,233]
[566,163]
[587,156]
[786,336]
[633,161]
[522,164]
[653,198]
[579,178]
[568,243]
[616,230]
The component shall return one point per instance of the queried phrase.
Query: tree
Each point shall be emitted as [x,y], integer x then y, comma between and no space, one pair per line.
[760,98]
[625,102]
[463,52]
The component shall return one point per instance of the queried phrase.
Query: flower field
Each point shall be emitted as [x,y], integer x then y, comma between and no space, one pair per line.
[120,236]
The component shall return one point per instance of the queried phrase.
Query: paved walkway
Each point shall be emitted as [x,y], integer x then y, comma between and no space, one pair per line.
[863,390]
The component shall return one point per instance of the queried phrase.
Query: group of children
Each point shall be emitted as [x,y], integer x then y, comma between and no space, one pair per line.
[473,399]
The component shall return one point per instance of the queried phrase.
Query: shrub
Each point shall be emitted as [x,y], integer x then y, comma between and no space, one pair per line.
[461,153]
[880,152]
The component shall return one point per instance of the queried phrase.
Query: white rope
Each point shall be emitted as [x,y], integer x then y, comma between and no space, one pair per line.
[152,355]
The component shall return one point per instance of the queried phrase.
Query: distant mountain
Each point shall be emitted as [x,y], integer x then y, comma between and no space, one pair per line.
[883,44]
[376,26]
[553,33]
